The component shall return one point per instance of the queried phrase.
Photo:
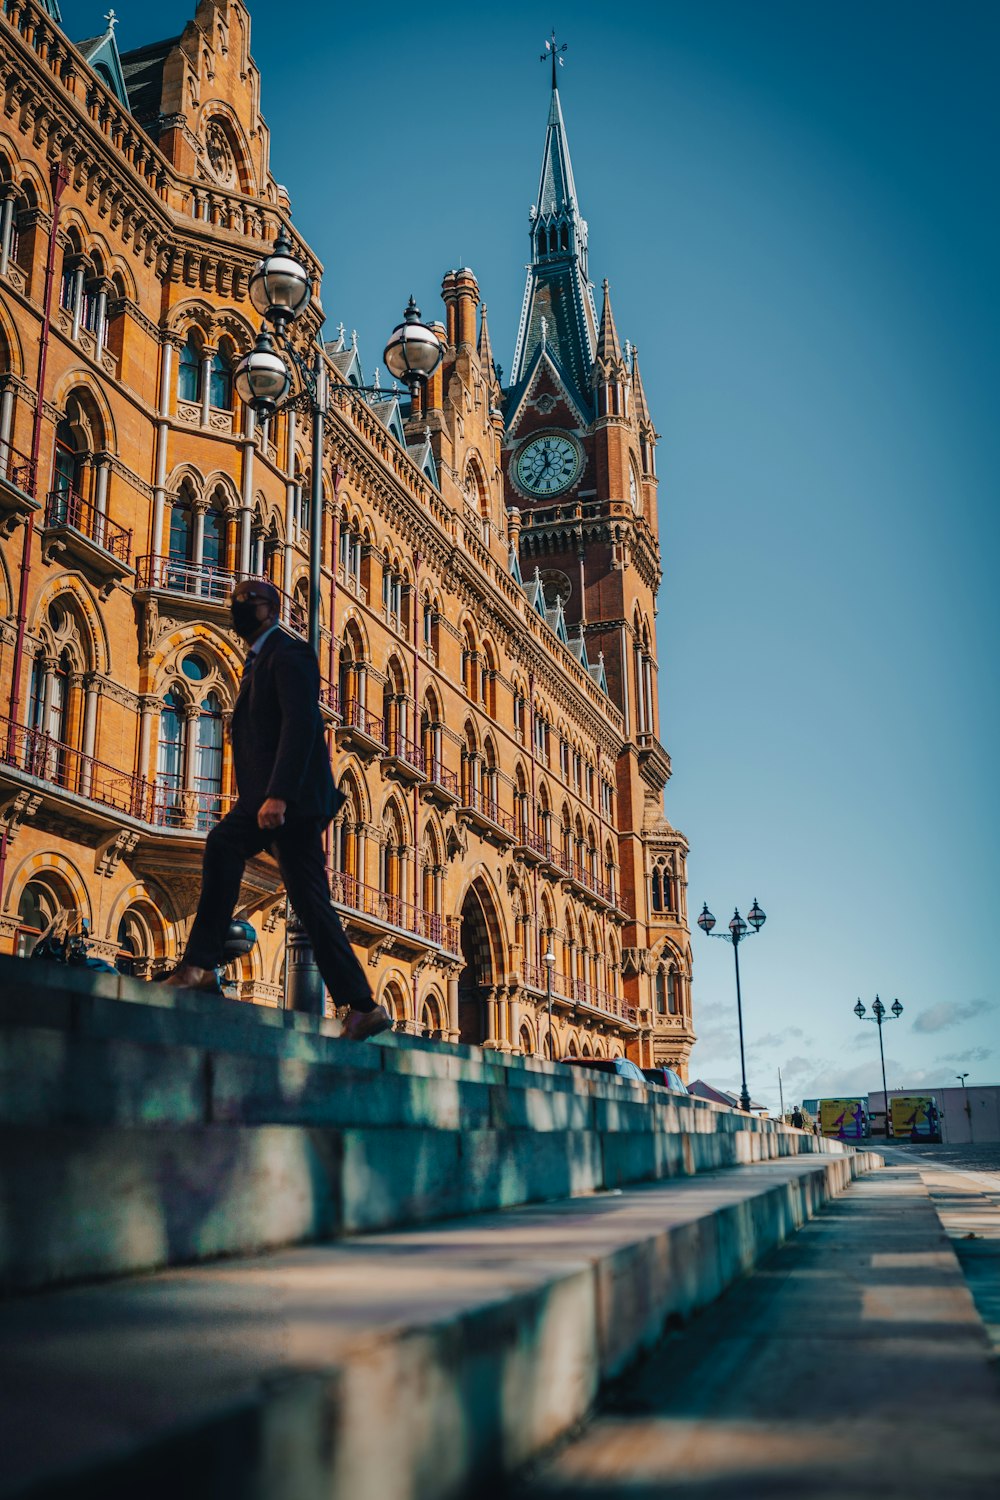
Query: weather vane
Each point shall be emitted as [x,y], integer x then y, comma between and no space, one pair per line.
[553,51]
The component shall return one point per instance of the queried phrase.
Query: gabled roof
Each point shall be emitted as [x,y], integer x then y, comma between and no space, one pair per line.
[514,565]
[536,594]
[423,456]
[101,52]
[346,360]
[599,675]
[544,360]
[388,413]
[555,618]
[142,70]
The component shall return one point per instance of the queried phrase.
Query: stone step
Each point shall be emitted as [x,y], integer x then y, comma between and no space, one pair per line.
[171,1127]
[416,1365]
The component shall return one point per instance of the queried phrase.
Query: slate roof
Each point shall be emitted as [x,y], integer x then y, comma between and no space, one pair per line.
[143,73]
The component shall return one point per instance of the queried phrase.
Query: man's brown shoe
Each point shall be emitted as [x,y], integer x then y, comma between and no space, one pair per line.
[190,977]
[362,1024]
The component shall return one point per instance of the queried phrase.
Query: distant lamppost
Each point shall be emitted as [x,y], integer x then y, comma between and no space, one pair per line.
[965,1095]
[879,1017]
[280,289]
[549,960]
[737,932]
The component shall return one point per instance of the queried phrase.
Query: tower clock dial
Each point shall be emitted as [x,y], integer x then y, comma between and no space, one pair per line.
[548,464]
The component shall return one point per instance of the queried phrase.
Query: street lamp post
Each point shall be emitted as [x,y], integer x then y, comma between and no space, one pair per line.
[965,1095]
[735,935]
[879,1017]
[280,290]
[549,960]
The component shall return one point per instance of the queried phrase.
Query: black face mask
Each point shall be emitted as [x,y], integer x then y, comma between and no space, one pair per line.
[245,621]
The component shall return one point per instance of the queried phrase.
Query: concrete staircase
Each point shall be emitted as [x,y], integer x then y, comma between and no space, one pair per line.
[434,1256]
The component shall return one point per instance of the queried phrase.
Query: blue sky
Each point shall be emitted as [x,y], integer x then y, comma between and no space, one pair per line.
[796,207]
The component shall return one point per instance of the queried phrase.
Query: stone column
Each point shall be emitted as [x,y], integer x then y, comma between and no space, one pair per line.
[101,316]
[6,227]
[78,280]
[207,355]
[191,716]
[6,425]
[89,737]
[453,1026]
[170,343]
[147,706]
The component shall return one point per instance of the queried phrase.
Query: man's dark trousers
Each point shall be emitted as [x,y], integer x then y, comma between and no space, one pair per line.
[298,848]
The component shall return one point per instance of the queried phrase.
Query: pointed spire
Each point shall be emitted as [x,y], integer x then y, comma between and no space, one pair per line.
[609,361]
[639,406]
[557,287]
[484,348]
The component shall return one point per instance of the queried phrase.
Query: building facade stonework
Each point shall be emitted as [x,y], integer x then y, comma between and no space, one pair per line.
[490,568]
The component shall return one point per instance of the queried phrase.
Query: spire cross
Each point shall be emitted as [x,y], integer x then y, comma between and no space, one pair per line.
[553,51]
[112,20]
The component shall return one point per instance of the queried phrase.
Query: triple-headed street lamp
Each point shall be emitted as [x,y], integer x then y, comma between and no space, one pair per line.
[879,1017]
[737,932]
[281,289]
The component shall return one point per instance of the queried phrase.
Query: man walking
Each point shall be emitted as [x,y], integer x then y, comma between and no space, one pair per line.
[286,798]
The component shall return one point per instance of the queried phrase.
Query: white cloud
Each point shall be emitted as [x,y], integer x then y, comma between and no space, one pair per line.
[951,1013]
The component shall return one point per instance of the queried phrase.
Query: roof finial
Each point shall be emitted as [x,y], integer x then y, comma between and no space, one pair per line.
[553,51]
[112,20]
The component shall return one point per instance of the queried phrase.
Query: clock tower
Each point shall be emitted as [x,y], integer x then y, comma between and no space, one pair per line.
[579,466]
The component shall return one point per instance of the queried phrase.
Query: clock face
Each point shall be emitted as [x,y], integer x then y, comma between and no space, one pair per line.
[548,464]
[633,488]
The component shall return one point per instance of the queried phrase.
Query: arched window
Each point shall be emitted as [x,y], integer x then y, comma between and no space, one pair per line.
[661,993]
[181,543]
[208,762]
[213,542]
[35,910]
[657,889]
[170,758]
[220,382]
[68,469]
[672,993]
[189,369]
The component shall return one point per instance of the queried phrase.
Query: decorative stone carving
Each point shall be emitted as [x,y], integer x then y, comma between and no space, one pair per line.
[18,810]
[111,853]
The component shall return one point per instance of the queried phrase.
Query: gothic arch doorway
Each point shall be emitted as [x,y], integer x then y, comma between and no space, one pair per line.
[481,950]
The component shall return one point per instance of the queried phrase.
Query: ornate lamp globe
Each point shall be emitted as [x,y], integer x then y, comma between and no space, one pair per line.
[897,1009]
[859,1009]
[261,378]
[755,916]
[279,287]
[706,921]
[413,352]
[878,1007]
[737,926]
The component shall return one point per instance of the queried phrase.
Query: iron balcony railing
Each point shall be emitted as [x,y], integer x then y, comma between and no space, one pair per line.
[405,749]
[353,893]
[163,806]
[17,468]
[68,508]
[487,807]
[578,991]
[209,582]
[354,715]
[439,774]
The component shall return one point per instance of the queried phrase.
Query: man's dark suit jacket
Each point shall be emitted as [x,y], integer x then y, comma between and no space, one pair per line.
[279,748]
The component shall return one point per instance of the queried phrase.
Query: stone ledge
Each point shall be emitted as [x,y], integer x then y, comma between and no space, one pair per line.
[420,1364]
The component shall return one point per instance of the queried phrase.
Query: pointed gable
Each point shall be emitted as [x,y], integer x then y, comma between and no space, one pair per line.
[101,53]
[544,375]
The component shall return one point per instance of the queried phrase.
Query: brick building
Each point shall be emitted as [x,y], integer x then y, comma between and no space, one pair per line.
[490,566]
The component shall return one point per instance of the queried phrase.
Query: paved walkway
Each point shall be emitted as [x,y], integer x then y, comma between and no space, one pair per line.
[853,1365]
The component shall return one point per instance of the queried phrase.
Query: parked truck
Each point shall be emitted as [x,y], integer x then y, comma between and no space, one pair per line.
[844,1119]
[915,1117]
